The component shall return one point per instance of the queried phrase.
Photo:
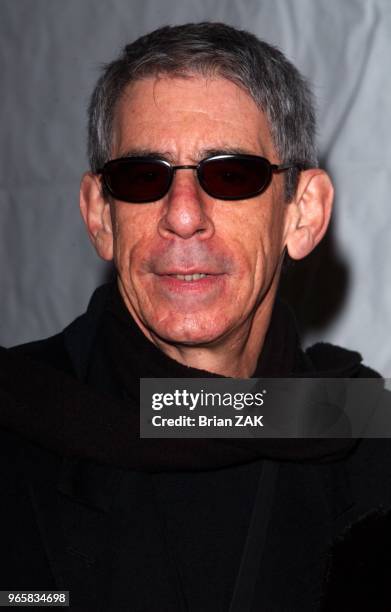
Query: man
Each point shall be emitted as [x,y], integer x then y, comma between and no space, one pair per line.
[203,179]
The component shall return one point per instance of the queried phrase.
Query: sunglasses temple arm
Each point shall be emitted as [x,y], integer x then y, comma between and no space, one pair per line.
[281,167]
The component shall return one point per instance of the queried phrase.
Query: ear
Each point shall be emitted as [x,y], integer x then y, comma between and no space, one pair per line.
[95,211]
[310,212]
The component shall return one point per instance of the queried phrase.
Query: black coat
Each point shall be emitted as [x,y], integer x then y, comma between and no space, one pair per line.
[81,511]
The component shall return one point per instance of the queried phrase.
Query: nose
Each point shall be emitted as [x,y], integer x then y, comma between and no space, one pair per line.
[187,209]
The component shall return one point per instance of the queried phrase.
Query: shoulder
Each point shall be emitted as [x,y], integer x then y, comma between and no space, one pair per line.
[69,350]
[336,361]
[50,351]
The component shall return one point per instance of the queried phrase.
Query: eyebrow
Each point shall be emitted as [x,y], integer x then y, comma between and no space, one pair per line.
[135,152]
[228,150]
[202,154]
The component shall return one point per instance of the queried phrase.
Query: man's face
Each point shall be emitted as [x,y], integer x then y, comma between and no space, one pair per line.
[238,245]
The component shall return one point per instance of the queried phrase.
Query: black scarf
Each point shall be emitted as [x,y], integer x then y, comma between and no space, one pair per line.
[96,415]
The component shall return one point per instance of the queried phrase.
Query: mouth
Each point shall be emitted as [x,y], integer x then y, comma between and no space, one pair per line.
[180,284]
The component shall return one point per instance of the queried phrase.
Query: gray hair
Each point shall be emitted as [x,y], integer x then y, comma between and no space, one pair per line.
[213,49]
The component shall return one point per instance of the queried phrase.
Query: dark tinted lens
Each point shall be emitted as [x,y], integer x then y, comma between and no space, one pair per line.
[235,178]
[135,180]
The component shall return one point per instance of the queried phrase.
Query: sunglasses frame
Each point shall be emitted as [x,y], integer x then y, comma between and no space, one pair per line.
[271,168]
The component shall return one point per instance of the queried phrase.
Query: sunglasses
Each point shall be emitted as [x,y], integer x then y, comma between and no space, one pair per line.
[226,177]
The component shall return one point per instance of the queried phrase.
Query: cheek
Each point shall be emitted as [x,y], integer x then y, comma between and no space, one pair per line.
[132,230]
[256,238]
[263,246]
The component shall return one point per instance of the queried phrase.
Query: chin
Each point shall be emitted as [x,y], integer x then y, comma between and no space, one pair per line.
[190,331]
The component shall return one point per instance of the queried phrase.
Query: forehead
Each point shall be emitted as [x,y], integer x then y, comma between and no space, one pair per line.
[181,117]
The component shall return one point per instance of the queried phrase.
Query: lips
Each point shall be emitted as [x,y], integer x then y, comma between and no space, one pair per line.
[190,277]
[190,286]
[189,273]
[191,269]
[189,261]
